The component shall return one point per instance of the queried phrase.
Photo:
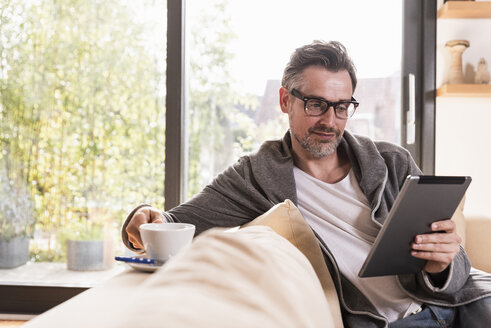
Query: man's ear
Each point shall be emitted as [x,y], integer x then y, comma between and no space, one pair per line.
[284,99]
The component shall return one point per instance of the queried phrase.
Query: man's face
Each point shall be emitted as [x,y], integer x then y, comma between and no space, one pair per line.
[317,136]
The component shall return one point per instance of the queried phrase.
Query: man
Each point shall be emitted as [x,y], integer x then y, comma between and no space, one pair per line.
[344,185]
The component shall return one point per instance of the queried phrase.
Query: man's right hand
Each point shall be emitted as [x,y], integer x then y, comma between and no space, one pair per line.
[146,214]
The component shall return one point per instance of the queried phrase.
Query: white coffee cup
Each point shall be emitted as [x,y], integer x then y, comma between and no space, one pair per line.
[164,240]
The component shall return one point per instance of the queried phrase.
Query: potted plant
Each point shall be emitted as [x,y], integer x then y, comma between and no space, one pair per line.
[17,220]
[87,249]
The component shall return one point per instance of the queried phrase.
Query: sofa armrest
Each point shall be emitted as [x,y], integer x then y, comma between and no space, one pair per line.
[478,242]
[246,278]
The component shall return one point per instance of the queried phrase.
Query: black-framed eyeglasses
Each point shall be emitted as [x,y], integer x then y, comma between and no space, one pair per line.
[315,106]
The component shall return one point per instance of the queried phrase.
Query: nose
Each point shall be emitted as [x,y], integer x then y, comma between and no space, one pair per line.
[329,117]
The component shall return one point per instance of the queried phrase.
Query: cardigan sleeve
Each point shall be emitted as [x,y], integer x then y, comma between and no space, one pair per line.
[457,275]
[232,199]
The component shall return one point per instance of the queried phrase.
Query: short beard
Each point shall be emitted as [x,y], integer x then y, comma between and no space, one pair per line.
[319,149]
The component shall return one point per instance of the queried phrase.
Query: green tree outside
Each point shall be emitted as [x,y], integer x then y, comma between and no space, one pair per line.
[82,108]
[220,119]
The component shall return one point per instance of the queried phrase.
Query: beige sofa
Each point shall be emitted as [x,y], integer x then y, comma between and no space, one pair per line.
[476,233]
[271,275]
[476,237]
[268,274]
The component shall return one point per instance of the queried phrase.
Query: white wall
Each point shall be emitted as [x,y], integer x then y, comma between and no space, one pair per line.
[463,131]
[463,138]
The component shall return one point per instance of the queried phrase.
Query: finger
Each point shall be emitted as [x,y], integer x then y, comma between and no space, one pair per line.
[443,225]
[438,238]
[443,258]
[135,242]
[133,228]
[133,234]
[441,248]
[435,262]
[156,216]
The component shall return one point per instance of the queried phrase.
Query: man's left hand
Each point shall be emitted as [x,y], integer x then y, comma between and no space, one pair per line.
[439,247]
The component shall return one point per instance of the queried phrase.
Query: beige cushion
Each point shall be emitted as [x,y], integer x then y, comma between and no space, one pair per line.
[248,278]
[286,220]
[478,242]
[475,232]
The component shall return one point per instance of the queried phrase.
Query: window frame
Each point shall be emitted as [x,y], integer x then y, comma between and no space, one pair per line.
[419,59]
[419,55]
[174,187]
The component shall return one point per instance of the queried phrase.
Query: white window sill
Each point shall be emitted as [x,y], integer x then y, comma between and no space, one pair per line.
[56,274]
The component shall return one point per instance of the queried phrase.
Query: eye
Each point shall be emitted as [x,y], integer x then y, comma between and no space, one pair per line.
[315,104]
[342,107]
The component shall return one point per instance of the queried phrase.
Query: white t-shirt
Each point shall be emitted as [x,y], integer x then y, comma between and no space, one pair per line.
[340,214]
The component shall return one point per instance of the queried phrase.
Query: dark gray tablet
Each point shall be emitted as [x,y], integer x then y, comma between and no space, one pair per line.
[422,200]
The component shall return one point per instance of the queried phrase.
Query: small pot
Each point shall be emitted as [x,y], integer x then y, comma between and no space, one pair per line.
[14,252]
[89,255]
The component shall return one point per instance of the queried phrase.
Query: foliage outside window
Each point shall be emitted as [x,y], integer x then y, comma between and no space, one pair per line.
[82,110]
[223,122]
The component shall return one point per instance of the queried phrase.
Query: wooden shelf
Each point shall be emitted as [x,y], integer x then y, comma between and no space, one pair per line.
[464,90]
[465,9]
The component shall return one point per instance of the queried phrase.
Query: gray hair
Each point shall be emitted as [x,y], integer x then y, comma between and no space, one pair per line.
[331,55]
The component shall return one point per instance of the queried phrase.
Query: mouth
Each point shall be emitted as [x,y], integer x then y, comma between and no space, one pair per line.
[324,134]
[327,134]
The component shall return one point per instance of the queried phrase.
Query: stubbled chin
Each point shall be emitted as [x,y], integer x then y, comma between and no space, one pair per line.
[316,146]
[320,148]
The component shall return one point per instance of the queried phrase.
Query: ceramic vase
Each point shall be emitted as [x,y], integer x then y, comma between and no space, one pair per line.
[456,48]
[88,255]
